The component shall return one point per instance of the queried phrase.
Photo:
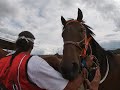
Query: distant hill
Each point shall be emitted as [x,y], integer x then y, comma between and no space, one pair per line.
[117,51]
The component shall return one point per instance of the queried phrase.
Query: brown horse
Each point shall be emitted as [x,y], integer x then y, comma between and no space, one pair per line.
[53,60]
[79,44]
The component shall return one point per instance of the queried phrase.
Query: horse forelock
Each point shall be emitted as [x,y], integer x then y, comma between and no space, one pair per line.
[88,28]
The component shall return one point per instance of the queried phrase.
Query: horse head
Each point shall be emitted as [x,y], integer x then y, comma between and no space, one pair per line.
[74,35]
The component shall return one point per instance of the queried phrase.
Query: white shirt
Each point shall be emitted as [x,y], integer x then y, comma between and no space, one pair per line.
[45,76]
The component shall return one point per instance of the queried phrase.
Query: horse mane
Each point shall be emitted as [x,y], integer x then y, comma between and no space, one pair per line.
[88,30]
[90,33]
[100,53]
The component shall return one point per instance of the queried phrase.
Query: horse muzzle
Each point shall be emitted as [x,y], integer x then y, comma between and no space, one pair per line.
[70,71]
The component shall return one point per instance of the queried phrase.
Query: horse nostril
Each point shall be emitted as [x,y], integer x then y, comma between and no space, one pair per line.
[75,67]
[70,71]
[66,68]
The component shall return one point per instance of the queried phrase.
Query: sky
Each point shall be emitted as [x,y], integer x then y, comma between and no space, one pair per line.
[42,18]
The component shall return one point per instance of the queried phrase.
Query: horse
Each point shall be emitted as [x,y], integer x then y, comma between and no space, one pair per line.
[79,43]
[53,60]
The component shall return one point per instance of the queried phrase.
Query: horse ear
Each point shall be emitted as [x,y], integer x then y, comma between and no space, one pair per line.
[63,20]
[80,15]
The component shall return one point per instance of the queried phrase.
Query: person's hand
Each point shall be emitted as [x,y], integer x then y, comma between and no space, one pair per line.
[94,84]
[89,60]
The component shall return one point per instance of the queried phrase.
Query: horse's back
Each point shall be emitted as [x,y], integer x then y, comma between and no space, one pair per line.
[53,60]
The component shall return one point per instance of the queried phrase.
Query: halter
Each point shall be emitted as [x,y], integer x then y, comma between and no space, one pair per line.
[83,53]
[85,40]
[77,44]
[74,43]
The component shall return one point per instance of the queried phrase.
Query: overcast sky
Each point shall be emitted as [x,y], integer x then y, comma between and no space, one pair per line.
[42,18]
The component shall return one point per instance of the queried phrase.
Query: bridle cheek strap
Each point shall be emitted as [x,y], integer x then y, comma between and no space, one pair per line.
[83,53]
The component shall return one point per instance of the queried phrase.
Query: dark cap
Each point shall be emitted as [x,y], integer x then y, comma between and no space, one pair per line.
[27,34]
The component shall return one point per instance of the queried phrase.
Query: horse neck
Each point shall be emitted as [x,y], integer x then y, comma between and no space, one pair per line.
[101,55]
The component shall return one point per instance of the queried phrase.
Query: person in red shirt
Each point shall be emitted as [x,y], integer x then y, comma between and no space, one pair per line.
[21,71]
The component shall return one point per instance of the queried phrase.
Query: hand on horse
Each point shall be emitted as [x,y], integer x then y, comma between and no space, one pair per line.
[89,60]
[94,84]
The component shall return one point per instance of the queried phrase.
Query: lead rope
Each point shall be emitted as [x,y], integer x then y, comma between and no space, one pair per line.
[84,55]
[86,47]
[106,74]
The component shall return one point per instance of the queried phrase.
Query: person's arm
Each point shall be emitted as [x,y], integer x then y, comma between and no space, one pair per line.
[44,76]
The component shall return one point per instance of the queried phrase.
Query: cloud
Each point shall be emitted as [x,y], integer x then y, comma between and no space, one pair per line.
[38,17]
[8,8]
[35,3]
[110,35]
[111,44]
[107,9]
[42,18]
[6,33]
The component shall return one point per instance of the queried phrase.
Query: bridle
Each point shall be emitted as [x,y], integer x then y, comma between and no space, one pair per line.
[77,44]
[83,54]
[85,40]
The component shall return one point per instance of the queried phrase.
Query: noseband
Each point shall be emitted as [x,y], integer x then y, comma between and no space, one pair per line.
[77,44]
